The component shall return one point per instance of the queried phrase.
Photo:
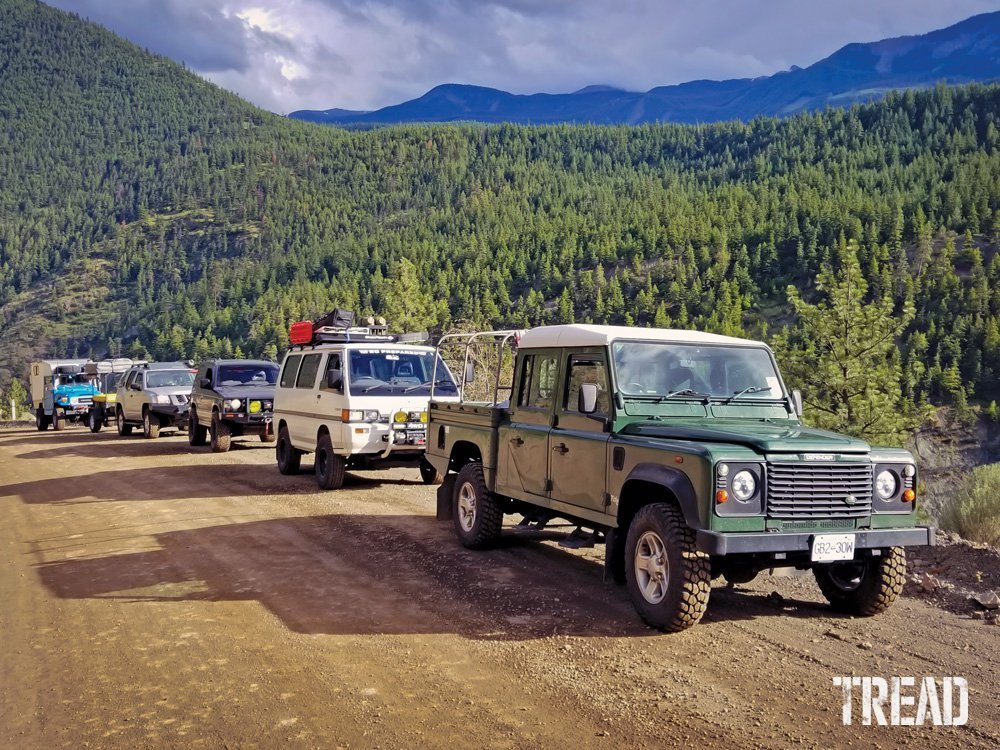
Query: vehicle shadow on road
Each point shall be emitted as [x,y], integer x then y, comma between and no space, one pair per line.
[365,575]
[157,483]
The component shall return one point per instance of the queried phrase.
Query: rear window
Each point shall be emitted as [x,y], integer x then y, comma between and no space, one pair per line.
[290,370]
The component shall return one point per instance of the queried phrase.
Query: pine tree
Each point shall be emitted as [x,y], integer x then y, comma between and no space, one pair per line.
[842,352]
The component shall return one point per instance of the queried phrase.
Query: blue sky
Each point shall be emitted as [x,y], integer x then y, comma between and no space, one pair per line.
[364,54]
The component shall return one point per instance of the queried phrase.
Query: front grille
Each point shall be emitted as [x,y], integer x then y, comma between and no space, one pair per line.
[821,523]
[181,398]
[807,490]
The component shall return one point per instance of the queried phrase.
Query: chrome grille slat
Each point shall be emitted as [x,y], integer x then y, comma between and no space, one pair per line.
[810,491]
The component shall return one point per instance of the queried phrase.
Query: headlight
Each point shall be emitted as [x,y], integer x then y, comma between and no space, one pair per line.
[357,415]
[161,399]
[886,485]
[234,403]
[743,486]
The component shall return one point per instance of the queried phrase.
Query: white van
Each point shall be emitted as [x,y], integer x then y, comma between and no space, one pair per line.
[356,399]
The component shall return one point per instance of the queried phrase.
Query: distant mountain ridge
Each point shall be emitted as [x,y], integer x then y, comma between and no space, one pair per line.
[968,51]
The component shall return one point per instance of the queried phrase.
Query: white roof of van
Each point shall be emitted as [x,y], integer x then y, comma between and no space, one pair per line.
[592,335]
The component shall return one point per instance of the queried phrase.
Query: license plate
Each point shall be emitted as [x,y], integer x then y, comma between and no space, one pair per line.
[832,547]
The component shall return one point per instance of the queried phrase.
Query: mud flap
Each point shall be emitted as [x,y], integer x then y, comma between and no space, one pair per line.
[614,558]
[445,494]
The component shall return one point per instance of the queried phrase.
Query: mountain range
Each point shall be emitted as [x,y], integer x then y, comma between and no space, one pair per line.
[968,51]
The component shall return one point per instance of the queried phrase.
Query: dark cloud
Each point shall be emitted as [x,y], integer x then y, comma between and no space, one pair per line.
[364,54]
[190,31]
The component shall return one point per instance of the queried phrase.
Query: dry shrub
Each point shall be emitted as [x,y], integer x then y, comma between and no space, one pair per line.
[973,512]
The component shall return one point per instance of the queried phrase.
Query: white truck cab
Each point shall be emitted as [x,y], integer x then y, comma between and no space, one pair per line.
[357,398]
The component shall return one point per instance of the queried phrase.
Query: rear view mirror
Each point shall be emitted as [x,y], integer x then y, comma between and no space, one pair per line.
[587,400]
[797,402]
[205,383]
[470,372]
[335,379]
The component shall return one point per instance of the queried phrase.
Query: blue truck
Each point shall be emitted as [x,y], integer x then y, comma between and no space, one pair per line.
[61,392]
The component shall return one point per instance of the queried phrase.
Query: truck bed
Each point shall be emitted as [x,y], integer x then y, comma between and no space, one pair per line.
[469,422]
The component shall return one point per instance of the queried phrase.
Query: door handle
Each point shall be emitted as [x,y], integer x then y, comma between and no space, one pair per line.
[561,448]
[516,441]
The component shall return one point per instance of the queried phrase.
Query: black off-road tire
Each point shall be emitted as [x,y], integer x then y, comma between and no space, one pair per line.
[429,474]
[124,429]
[330,468]
[150,425]
[477,514]
[658,534]
[221,434]
[58,424]
[197,435]
[289,457]
[95,420]
[864,587]
[42,421]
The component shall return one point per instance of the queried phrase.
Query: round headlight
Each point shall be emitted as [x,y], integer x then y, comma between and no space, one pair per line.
[723,470]
[234,403]
[744,485]
[886,484]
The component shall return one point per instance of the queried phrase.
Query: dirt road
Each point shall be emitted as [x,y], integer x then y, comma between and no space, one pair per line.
[151,596]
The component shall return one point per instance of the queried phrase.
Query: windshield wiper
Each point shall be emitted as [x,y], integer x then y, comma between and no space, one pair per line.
[440,381]
[748,389]
[682,392]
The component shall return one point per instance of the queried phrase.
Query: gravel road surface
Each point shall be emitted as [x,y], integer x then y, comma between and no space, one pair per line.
[154,596]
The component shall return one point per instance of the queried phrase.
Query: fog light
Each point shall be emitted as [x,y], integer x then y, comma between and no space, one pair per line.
[399,417]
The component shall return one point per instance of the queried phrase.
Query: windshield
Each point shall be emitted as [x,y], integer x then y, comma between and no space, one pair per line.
[378,372]
[248,375]
[169,378]
[72,379]
[663,370]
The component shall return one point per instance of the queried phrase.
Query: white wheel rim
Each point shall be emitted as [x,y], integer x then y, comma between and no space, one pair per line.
[466,506]
[652,572]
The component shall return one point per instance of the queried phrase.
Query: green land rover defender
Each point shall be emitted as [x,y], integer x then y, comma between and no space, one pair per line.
[685,454]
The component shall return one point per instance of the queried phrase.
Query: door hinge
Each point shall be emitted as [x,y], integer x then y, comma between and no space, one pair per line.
[607,499]
[548,485]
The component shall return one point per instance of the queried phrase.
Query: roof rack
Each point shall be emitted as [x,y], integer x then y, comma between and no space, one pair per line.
[337,327]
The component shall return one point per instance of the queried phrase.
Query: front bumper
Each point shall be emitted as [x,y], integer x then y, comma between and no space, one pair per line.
[171,414]
[715,543]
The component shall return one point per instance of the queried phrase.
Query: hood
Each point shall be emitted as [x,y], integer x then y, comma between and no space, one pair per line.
[251,392]
[170,390]
[75,389]
[764,437]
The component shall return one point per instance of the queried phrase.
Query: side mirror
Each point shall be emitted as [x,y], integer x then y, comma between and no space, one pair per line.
[587,400]
[335,379]
[136,387]
[205,383]
[797,402]
[470,372]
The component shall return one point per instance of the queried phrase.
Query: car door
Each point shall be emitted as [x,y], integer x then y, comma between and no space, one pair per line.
[578,442]
[128,394]
[523,449]
[306,401]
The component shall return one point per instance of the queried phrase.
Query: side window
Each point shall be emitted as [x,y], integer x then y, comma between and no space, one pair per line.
[208,374]
[543,383]
[586,369]
[525,384]
[308,370]
[290,370]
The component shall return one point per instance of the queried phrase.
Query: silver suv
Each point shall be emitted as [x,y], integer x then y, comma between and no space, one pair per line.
[154,396]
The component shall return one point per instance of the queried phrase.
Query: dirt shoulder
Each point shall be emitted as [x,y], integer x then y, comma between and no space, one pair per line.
[159,597]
